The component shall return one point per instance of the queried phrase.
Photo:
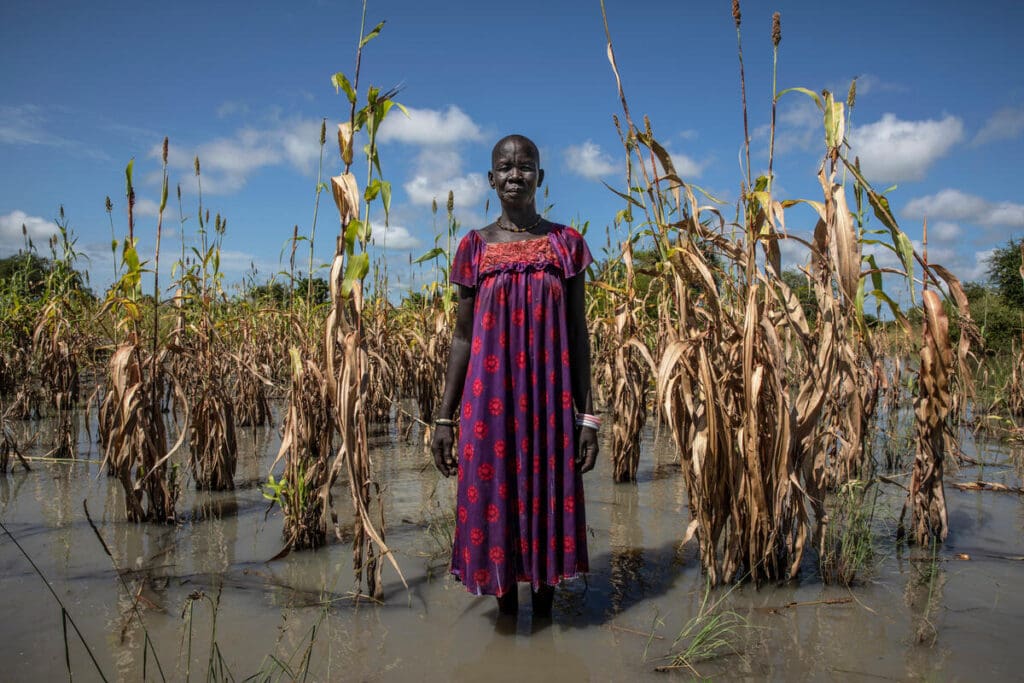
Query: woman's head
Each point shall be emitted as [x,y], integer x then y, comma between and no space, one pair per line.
[515,170]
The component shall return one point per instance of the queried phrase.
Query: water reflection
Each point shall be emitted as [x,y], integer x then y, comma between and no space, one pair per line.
[507,654]
[625,539]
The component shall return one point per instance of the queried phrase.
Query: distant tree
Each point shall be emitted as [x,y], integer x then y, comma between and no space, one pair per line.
[277,291]
[999,322]
[1004,272]
[28,276]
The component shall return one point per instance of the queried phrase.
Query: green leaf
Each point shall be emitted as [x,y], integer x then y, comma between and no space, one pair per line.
[340,81]
[352,231]
[810,93]
[624,196]
[432,254]
[371,35]
[385,196]
[371,191]
[128,177]
[833,121]
[131,258]
[358,267]
[163,195]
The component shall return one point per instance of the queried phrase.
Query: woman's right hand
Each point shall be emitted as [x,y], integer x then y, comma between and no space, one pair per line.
[442,446]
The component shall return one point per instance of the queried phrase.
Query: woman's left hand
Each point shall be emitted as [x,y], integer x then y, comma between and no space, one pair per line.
[586,449]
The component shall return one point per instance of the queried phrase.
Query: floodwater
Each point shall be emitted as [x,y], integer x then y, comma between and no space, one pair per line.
[208,597]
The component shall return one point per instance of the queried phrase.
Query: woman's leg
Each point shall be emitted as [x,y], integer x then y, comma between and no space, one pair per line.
[509,602]
[543,597]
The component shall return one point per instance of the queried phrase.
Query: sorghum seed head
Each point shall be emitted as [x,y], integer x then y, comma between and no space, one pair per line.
[165,150]
[736,12]
[451,201]
[109,205]
[197,164]
[776,29]
[323,132]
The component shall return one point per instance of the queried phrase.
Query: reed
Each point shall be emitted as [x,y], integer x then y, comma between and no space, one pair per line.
[769,413]
[345,361]
[131,424]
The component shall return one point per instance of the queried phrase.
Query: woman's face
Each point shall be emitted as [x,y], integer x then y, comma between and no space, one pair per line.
[515,172]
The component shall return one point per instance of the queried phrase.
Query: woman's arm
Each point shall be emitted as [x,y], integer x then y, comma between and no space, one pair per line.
[454,378]
[579,369]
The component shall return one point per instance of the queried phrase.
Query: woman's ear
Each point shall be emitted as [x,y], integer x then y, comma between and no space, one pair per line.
[490,178]
[540,177]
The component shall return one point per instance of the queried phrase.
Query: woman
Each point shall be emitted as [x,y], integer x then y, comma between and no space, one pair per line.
[519,365]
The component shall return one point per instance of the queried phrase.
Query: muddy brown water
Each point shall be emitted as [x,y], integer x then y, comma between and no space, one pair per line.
[916,617]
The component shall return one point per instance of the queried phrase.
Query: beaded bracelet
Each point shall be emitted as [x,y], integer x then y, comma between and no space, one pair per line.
[585,420]
[443,422]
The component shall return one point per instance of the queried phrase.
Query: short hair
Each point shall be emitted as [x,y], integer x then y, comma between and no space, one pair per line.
[521,139]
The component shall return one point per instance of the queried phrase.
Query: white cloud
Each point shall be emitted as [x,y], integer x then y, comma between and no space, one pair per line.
[893,150]
[230,108]
[798,125]
[22,126]
[436,172]
[589,160]
[429,127]
[228,162]
[12,239]
[1005,124]
[978,269]
[469,189]
[944,231]
[394,237]
[26,125]
[954,205]
[145,208]
[686,166]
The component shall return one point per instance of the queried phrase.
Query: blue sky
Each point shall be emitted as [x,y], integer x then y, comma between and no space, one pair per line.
[85,87]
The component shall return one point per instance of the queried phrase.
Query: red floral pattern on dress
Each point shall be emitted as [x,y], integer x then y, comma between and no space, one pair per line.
[467,410]
[496,406]
[512,522]
[525,253]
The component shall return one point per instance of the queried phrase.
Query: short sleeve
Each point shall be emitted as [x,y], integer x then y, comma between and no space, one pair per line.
[466,264]
[573,252]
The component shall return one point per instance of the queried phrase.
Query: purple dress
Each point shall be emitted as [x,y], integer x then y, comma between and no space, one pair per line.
[520,513]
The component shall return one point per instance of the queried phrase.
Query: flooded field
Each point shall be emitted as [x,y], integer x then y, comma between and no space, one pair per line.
[213,605]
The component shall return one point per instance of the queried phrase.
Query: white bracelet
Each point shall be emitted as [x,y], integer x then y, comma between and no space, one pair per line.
[585,420]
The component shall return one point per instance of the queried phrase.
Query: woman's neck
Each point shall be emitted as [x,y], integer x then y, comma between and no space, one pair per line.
[520,217]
